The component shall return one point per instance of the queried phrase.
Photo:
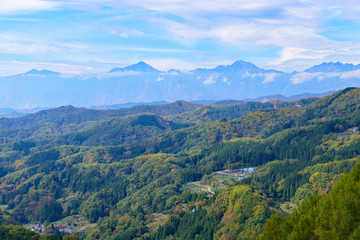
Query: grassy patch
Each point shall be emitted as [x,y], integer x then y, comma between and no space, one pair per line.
[77,222]
[156,220]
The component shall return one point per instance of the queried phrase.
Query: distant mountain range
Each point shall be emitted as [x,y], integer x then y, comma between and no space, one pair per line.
[143,83]
[333,67]
[140,107]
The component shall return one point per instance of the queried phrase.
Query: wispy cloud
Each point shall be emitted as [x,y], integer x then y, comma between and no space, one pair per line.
[16,19]
[20,6]
[301,58]
[170,63]
[346,9]
[24,49]
[269,77]
[211,79]
[302,77]
[188,8]
[144,49]
[114,74]
[123,32]
[352,74]
[8,68]
[181,33]
[39,48]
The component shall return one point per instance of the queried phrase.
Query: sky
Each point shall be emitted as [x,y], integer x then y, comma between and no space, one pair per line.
[97,35]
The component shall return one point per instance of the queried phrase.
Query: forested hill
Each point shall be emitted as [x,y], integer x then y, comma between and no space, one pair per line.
[332,216]
[66,123]
[71,115]
[147,176]
[210,113]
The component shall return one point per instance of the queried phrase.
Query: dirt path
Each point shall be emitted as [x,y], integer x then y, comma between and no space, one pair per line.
[204,186]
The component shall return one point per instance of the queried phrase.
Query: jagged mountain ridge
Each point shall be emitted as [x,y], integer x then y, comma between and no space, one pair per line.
[333,67]
[143,83]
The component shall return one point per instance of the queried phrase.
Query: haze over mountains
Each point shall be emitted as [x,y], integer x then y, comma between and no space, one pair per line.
[143,83]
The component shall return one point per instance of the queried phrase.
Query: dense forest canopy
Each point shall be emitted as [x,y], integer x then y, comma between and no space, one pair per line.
[184,171]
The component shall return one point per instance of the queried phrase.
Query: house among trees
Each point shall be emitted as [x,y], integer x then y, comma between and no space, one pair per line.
[38,228]
[64,229]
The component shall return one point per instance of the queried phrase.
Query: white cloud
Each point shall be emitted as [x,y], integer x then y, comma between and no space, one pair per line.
[269,77]
[289,53]
[144,49]
[85,75]
[247,74]
[19,48]
[159,79]
[291,59]
[115,74]
[124,32]
[210,79]
[39,48]
[20,6]
[302,77]
[249,33]
[321,78]
[19,19]
[352,74]
[346,9]
[303,11]
[8,68]
[171,72]
[165,64]
[36,75]
[296,27]
[189,8]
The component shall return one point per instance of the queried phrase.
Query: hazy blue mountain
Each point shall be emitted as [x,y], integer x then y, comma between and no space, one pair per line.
[14,113]
[138,67]
[10,113]
[333,67]
[45,72]
[272,97]
[292,97]
[127,105]
[238,66]
[143,83]
[205,101]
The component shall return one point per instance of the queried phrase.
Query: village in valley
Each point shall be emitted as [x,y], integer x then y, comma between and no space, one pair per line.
[40,228]
[219,180]
[240,174]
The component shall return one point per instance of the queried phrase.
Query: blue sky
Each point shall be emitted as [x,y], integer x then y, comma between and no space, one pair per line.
[91,36]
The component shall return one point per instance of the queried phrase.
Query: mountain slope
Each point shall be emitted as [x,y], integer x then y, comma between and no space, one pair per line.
[333,216]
